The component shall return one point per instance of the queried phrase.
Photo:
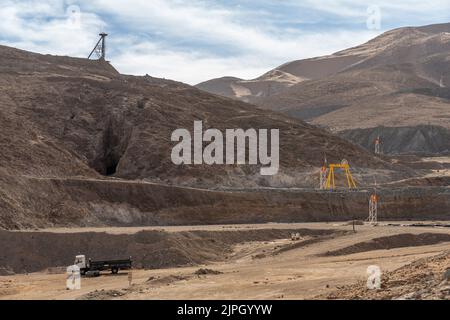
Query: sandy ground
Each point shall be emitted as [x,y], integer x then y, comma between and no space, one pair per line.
[299,273]
[236,227]
[226,227]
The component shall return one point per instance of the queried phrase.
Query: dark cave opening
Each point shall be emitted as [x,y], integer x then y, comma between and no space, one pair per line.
[111,168]
[111,158]
[113,145]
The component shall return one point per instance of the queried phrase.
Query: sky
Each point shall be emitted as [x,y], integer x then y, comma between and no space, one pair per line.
[197,40]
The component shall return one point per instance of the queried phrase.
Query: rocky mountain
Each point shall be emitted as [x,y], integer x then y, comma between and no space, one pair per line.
[399,79]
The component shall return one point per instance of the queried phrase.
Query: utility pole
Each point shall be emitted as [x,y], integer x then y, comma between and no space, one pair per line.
[373,207]
[378,146]
[323,174]
[100,47]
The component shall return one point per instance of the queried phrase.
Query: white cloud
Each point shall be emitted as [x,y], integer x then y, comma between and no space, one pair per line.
[194,40]
[194,67]
[357,8]
[260,47]
[47,27]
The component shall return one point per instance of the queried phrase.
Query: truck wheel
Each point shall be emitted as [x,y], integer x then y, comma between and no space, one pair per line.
[115,270]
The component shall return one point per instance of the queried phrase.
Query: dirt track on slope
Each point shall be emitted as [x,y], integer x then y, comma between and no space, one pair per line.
[392,242]
[95,203]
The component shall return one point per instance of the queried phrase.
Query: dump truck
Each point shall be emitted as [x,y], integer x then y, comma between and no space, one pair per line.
[94,268]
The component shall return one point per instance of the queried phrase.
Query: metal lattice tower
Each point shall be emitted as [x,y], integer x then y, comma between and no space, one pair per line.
[373,207]
[323,178]
[100,47]
[378,145]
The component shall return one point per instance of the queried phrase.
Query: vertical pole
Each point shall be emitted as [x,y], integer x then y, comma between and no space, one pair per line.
[321,179]
[103,46]
[328,186]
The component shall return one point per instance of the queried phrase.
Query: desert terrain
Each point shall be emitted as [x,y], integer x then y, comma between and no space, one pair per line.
[85,168]
[329,261]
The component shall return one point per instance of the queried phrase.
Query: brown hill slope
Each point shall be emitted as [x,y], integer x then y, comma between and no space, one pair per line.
[399,79]
[279,79]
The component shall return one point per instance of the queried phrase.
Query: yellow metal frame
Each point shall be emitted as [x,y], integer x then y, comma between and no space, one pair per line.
[331,179]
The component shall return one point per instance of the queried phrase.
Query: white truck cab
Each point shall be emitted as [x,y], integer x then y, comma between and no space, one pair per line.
[80,261]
